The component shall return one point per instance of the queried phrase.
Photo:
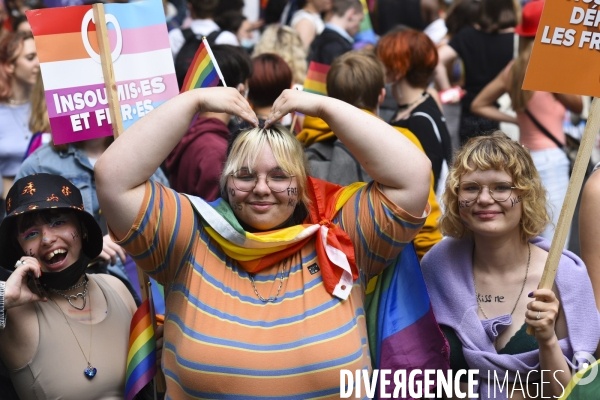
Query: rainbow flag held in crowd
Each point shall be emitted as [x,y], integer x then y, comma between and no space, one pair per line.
[204,71]
[366,34]
[141,357]
[403,332]
[316,78]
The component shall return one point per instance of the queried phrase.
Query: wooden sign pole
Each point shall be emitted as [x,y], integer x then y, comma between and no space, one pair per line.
[592,127]
[117,127]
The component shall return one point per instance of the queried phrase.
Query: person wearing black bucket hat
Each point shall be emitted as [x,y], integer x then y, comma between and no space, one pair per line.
[50,309]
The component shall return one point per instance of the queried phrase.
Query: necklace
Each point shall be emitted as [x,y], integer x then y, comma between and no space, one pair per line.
[402,107]
[89,371]
[74,296]
[13,102]
[270,299]
[520,293]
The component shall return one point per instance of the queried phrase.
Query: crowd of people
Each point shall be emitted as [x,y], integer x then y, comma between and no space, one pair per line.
[268,214]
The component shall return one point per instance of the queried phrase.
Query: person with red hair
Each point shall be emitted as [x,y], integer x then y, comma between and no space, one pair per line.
[271,76]
[410,59]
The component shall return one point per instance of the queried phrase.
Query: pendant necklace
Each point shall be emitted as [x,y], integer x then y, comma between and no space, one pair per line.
[89,371]
[520,293]
[270,299]
[74,296]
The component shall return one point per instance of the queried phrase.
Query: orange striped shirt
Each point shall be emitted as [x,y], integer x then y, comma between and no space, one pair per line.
[221,340]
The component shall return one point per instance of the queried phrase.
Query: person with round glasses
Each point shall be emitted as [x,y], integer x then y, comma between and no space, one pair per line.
[483,277]
[266,285]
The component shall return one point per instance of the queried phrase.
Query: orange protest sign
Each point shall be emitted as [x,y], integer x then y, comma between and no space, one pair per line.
[566,52]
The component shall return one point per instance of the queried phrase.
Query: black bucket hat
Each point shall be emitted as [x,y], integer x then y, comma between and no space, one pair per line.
[44,192]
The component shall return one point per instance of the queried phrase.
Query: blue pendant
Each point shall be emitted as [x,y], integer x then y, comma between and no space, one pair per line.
[90,372]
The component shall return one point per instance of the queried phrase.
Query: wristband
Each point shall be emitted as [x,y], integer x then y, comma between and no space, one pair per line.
[2,314]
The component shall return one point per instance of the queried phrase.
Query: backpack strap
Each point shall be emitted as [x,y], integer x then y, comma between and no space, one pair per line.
[212,37]
[543,129]
[188,34]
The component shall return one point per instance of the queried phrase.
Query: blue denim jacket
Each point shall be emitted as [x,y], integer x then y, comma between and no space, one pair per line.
[74,165]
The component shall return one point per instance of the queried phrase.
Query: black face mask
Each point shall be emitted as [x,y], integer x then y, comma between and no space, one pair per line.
[66,278]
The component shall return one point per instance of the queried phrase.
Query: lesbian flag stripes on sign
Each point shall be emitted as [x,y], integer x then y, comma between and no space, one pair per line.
[72,73]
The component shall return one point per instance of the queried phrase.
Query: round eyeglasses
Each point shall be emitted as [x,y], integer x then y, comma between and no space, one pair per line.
[245,181]
[499,191]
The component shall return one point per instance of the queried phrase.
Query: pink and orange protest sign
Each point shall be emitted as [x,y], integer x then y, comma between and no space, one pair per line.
[67,46]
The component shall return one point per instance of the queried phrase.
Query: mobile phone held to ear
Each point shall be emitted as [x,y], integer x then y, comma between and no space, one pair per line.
[38,286]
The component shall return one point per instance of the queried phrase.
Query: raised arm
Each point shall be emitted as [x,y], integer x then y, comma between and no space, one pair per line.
[128,163]
[446,55]
[387,155]
[483,104]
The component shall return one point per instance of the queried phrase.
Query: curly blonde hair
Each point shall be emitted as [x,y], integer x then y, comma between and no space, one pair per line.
[285,42]
[496,152]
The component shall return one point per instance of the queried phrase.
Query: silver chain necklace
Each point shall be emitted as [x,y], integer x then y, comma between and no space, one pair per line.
[520,293]
[270,299]
[74,296]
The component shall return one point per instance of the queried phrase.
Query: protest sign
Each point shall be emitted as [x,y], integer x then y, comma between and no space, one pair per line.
[565,59]
[67,45]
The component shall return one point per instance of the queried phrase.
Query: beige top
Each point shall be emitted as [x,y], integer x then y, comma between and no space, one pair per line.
[56,370]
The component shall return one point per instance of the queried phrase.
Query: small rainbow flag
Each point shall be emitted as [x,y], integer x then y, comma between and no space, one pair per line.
[141,358]
[316,78]
[204,70]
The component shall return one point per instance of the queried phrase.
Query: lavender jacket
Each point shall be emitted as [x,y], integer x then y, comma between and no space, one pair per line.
[448,272]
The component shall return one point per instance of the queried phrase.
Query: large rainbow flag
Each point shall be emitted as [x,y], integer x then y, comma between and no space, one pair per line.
[67,48]
[204,70]
[366,34]
[403,332]
[141,358]
[316,78]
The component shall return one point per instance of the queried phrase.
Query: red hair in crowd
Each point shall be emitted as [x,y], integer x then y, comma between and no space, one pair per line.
[271,76]
[410,54]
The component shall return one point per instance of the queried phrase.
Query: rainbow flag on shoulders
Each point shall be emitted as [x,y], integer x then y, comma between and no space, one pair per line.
[402,330]
[141,358]
[204,71]
[316,78]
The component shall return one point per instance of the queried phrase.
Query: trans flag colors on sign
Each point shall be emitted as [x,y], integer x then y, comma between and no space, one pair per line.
[67,46]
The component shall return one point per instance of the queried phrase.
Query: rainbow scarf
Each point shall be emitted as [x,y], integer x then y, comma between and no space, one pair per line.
[141,358]
[257,251]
